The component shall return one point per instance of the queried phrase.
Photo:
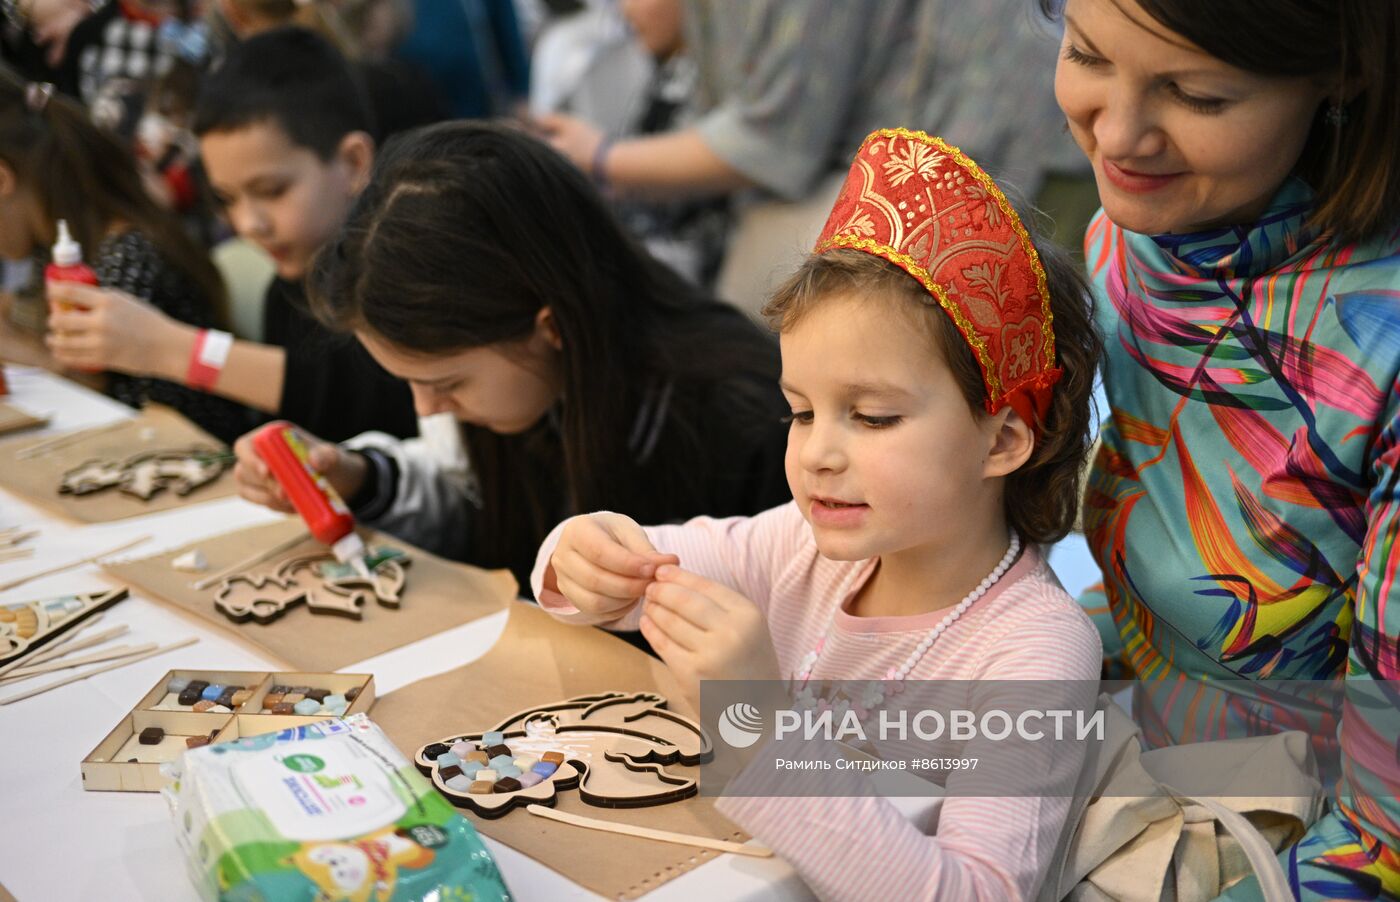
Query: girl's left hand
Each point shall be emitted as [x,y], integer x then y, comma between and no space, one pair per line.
[98,329]
[706,631]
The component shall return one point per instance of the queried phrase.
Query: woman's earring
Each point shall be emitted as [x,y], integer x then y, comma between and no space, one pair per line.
[1336,115]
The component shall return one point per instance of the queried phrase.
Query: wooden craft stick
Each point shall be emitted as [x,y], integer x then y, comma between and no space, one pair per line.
[16,534]
[294,541]
[683,839]
[51,654]
[15,554]
[57,649]
[117,651]
[158,650]
[70,438]
[28,657]
[44,652]
[71,564]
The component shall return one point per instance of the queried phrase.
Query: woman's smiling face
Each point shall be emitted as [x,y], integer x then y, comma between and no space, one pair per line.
[1178,139]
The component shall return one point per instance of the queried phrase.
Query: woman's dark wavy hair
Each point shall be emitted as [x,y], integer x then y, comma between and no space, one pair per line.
[465,232]
[1352,44]
[1042,497]
[81,174]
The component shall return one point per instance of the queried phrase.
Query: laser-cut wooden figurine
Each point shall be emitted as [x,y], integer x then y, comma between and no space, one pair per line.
[613,746]
[145,475]
[25,626]
[325,585]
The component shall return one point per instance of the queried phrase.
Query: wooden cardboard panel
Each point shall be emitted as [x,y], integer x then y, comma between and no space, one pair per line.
[156,428]
[12,419]
[538,661]
[438,595]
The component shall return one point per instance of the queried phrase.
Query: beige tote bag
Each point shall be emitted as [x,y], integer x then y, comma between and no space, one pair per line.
[1132,837]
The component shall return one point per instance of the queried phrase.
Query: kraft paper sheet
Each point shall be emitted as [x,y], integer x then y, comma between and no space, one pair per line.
[437,595]
[156,428]
[539,660]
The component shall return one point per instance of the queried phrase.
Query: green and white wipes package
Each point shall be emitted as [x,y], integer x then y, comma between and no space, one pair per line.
[327,811]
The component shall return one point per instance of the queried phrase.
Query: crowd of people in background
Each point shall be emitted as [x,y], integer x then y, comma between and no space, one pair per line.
[718,130]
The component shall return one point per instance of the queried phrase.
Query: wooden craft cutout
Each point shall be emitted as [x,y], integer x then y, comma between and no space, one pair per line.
[12,419]
[27,625]
[146,475]
[324,584]
[616,746]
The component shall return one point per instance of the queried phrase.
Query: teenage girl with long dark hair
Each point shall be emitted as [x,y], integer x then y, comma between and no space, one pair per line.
[487,272]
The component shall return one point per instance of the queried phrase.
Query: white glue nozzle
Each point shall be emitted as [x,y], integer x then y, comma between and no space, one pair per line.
[351,550]
[66,251]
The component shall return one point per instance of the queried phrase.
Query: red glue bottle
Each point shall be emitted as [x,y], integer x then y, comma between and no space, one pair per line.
[325,513]
[68,265]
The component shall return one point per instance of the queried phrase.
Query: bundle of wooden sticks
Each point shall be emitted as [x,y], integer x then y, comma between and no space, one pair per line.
[59,655]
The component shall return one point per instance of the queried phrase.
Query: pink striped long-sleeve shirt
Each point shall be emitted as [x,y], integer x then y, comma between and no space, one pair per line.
[1025,628]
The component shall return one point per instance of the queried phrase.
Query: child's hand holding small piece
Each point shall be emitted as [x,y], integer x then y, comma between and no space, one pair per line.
[706,631]
[603,564]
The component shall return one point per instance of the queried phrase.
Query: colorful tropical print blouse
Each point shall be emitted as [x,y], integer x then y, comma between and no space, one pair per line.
[1246,499]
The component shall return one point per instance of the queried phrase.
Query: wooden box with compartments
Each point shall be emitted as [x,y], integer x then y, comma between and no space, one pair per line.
[191,708]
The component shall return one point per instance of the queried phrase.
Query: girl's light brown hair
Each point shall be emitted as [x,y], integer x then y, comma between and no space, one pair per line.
[1042,497]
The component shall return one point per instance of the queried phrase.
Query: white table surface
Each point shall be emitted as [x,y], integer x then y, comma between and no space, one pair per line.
[59,842]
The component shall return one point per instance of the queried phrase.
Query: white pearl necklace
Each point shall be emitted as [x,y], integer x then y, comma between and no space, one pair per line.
[897,674]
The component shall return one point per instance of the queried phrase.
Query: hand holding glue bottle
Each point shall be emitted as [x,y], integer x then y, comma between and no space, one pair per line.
[67,262]
[320,506]
[66,265]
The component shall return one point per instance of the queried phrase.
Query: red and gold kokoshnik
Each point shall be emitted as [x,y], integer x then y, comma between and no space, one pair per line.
[925,207]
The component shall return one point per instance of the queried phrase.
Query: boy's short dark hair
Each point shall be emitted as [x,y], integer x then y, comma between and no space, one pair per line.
[291,77]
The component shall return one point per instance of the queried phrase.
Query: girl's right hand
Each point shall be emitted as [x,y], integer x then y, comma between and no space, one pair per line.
[344,470]
[604,563]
